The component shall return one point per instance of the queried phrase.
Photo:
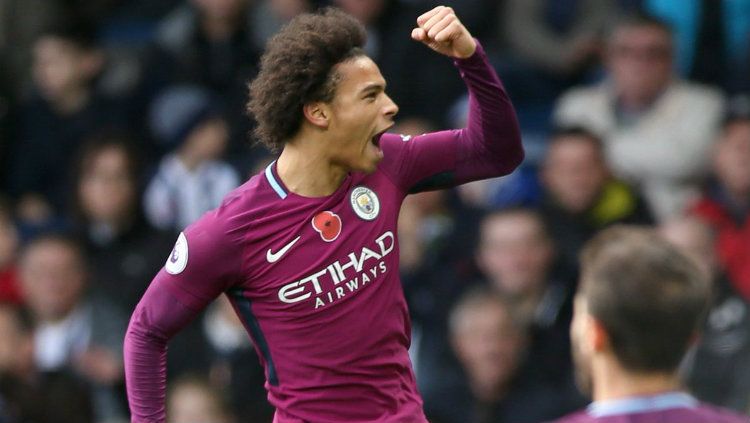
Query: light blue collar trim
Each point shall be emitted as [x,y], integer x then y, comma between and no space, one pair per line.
[643,404]
[274,183]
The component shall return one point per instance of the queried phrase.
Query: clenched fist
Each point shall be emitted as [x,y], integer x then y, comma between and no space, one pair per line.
[441,30]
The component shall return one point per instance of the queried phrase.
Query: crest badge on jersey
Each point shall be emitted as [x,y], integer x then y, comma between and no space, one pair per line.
[365,203]
[178,258]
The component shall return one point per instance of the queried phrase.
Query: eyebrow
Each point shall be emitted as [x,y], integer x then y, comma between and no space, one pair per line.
[375,86]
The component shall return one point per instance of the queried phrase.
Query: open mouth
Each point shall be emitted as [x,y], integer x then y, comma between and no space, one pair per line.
[376,138]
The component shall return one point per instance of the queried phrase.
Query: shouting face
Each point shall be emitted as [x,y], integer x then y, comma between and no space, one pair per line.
[358,115]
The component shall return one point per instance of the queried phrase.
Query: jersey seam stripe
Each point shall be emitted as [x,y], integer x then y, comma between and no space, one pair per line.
[274,183]
[251,322]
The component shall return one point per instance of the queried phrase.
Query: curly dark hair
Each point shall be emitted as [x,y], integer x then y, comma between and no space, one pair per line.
[297,68]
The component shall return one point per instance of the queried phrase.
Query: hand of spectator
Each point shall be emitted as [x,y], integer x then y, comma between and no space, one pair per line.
[441,30]
[585,48]
[100,365]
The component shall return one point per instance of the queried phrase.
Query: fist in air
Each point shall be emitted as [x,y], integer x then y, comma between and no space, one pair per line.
[441,30]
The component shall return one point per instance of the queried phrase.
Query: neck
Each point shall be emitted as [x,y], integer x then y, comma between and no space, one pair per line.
[219,29]
[72,101]
[739,198]
[307,171]
[189,158]
[612,382]
[487,391]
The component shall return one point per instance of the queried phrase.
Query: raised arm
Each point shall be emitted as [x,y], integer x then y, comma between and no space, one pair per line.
[489,146]
[204,263]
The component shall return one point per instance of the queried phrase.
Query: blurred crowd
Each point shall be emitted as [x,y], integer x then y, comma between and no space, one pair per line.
[121,121]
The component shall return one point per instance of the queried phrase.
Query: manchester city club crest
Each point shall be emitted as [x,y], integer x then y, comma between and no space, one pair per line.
[365,203]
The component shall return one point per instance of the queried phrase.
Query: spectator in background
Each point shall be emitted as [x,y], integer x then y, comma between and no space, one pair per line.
[580,196]
[122,248]
[193,400]
[234,366]
[9,243]
[191,179]
[212,44]
[21,22]
[639,306]
[516,256]
[657,130]
[719,368]
[726,201]
[490,341]
[552,44]
[65,109]
[712,39]
[73,332]
[26,394]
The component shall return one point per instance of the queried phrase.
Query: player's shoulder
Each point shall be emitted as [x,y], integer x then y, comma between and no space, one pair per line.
[237,210]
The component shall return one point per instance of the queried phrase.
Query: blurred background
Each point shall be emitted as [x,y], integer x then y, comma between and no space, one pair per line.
[121,121]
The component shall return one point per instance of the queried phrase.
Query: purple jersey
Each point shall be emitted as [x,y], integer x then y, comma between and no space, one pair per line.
[673,407]
[315,280]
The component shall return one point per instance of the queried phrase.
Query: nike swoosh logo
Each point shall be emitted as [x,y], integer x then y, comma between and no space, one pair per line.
[274,257]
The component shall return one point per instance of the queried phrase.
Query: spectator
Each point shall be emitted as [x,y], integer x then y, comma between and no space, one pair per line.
[194,400]
[65,109]
[553,44]
[234,366]
[124,251]
[656,129]
[211,44]
[192,179]
[9,242]
[580,196]
[26,394]
[719,369]
[434,269]
[490,342]
[639,306]
[73,332]
[21,22]
[726,202]
[516,256]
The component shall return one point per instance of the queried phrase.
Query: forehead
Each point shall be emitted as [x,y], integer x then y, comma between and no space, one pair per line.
[574,145]
[640,35]
[512,226]
[357,74]
[49,250]
[739,129]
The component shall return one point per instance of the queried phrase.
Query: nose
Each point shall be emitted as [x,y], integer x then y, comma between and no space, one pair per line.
[391,109]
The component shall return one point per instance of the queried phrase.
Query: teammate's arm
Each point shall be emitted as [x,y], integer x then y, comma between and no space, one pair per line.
[203,264]
[489,146]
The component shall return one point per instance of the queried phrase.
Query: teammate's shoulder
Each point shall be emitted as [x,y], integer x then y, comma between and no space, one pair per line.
[722,415]
[580,416]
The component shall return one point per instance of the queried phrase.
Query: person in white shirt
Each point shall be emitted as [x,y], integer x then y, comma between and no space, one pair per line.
[657,129]
[192,178]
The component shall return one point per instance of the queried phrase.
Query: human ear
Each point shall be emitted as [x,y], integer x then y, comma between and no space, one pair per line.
[317,113]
